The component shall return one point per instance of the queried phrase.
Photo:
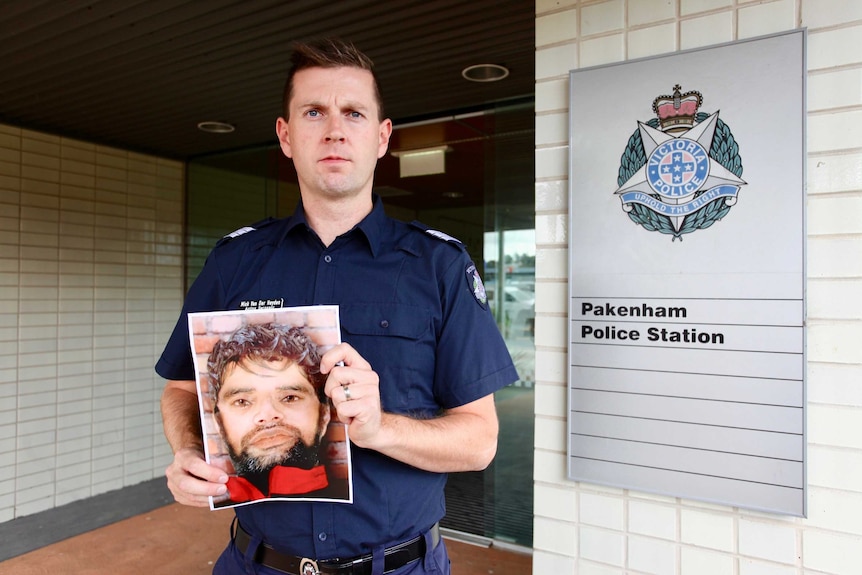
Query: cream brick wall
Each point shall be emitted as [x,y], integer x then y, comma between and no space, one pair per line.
[589,529]
[90,285]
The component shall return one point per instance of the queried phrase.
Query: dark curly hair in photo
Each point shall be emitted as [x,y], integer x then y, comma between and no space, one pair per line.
[266,342]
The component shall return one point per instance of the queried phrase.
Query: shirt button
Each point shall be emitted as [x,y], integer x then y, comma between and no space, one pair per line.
[322,536]
[327,258]
[384,323]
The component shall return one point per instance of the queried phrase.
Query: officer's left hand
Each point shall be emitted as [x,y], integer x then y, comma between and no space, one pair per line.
[354,390]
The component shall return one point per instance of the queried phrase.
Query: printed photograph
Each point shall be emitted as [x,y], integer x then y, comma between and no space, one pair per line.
[265,418]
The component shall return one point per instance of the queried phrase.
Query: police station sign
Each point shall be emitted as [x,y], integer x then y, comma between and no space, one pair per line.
[687,274]
[609,332]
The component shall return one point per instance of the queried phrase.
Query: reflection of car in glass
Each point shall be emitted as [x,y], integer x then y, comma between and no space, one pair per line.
[518,312]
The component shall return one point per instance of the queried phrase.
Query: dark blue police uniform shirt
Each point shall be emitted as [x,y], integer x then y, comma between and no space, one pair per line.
[407,303]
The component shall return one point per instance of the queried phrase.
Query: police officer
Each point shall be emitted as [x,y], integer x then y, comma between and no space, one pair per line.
[413,380]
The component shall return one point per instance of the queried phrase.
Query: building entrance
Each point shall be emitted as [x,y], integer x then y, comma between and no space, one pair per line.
[480,189]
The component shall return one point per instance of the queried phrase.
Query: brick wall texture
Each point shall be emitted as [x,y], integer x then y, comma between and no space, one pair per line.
[589,529]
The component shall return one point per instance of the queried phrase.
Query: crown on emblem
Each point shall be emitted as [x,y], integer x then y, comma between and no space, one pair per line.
[676,113]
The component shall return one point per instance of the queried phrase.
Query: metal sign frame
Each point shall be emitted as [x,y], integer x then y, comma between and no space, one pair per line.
[687,274]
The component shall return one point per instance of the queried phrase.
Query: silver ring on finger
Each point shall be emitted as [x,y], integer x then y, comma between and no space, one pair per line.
[346,392]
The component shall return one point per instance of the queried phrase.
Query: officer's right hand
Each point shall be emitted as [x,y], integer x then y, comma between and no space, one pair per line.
[192,480]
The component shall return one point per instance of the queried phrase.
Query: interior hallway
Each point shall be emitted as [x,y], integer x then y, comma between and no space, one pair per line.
[179,540]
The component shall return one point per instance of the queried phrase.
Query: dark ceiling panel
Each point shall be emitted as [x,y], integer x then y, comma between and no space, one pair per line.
[141,74]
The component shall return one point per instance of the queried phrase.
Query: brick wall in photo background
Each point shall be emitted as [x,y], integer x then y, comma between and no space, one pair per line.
[90,287]
[587,529]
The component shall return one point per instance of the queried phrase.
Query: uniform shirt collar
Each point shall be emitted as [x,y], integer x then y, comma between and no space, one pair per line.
[371,226]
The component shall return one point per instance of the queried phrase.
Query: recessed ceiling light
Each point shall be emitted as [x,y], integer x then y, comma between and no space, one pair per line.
[485,73]
[216,127]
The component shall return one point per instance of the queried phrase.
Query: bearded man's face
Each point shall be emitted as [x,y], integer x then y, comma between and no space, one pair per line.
[269,414]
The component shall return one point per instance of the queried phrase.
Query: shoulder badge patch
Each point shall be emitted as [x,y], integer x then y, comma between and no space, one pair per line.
[476,285]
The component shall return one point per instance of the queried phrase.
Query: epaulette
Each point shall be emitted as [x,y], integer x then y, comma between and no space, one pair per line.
[246,229]
[437,234]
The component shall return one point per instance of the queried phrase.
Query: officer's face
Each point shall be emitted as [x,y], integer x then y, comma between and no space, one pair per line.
[269,412]
[334,135]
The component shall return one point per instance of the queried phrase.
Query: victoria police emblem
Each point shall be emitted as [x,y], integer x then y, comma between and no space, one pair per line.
[476,285]
[680,171]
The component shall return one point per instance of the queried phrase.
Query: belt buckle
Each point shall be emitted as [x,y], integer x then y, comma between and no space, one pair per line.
[308,567]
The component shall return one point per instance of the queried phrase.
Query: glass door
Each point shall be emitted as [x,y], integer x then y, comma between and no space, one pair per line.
[485,198]
[510,268]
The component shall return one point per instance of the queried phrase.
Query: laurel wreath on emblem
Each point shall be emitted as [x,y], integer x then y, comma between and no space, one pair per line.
[724,150]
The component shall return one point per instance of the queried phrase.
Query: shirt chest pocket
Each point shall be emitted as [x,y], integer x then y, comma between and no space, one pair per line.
[398,341]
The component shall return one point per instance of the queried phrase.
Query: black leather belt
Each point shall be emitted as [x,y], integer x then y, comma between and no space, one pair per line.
[394,557]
